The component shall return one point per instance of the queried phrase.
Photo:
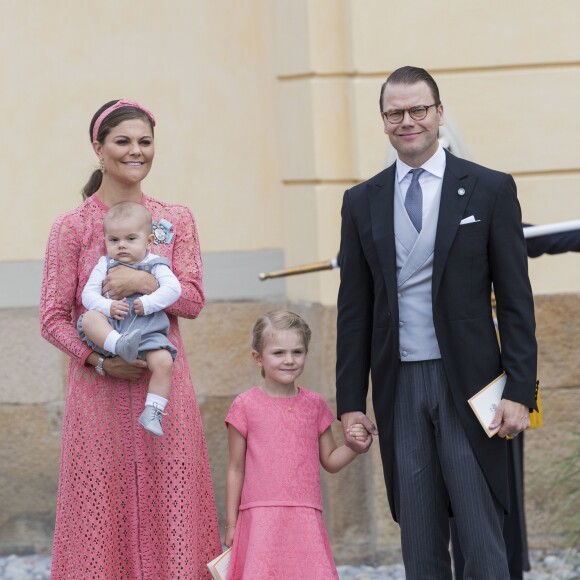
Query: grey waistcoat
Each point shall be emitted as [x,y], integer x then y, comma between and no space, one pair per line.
[417,340]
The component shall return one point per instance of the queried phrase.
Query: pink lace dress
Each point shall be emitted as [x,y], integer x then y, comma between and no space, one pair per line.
[280,533]
[130,505]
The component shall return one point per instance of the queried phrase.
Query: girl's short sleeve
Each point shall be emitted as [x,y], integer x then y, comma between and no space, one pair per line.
[236,417]
[325,416]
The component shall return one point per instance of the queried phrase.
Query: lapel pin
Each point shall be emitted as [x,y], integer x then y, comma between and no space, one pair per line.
[461,191]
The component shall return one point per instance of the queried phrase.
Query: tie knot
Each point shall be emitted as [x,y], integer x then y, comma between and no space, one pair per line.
[415,173]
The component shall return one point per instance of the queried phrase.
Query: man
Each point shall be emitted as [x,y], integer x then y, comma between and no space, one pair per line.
[422,243]
[514,525]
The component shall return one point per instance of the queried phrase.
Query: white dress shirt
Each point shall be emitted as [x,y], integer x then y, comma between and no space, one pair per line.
[430,180]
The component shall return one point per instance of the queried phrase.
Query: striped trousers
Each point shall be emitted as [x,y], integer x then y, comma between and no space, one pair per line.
[435,468]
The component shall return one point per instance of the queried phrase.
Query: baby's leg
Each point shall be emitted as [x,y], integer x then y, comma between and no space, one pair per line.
[160,363]
[97,327]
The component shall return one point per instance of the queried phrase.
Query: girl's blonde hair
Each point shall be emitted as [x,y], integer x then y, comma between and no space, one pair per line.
[279,320]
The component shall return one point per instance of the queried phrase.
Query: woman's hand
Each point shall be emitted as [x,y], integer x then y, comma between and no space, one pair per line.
[117,367]
[121,282]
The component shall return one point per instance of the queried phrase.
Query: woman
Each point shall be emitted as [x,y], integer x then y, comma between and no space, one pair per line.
[130,505]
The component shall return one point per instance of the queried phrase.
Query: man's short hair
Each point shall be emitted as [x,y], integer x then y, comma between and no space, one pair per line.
[409,75]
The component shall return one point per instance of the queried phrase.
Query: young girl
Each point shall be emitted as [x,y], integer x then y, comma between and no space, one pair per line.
[136,325]
[278,434]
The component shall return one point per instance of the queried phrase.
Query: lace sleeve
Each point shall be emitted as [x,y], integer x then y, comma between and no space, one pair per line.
[186,265]
[58,291]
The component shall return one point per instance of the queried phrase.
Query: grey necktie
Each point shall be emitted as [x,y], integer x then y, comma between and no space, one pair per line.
[414,199]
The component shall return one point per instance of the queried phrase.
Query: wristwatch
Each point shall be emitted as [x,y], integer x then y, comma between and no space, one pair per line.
[99,366]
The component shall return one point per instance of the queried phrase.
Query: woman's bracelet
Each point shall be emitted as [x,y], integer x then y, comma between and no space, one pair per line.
[229,527]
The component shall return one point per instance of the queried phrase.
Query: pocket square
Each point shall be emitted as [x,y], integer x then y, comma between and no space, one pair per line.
[468,220]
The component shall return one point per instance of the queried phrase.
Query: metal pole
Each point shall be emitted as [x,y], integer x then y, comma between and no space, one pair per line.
[529,232]
[557,228]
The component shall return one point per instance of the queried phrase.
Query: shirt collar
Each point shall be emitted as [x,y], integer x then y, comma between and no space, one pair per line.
[434,165]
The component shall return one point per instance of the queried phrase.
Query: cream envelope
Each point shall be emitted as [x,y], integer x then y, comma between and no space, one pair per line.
[218,567]
[485,402]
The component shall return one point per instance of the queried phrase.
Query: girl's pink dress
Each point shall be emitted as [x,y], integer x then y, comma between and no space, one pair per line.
[280,533]
[130,505]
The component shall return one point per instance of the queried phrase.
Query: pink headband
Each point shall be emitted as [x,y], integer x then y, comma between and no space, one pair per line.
[118,105]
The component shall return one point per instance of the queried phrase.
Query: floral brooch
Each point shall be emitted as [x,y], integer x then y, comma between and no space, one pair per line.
[162,232]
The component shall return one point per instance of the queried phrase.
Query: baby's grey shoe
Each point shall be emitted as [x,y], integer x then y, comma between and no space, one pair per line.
[151,419]
[128,345]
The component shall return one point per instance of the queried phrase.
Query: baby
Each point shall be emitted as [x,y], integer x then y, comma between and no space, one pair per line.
[137,325]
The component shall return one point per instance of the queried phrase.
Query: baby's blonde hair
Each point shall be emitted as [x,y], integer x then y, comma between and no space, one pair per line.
[125,209]
[279,320]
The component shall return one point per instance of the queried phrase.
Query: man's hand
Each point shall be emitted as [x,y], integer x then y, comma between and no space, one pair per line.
[348,420]
[511,418]
[119,309]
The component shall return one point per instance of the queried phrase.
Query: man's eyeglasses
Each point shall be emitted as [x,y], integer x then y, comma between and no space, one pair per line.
[417,113]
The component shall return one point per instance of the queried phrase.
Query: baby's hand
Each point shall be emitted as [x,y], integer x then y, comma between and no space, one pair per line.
[359,432]
[138,307]
[119,309]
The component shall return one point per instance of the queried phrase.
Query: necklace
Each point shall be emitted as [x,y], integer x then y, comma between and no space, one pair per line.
[287,397]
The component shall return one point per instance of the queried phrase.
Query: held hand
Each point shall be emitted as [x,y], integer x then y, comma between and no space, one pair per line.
[138,307]
[358,432]
[229,537]
[512,418]
[117,367]
[121,282]
[348,420]
[119,309]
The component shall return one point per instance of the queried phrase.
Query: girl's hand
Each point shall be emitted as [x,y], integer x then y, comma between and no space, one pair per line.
[119,309]
[349,419]
[138,307]
[229,537]
[122,281]
[117,367]
[358,432]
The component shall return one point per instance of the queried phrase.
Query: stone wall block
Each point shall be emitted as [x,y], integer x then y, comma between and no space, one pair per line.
[346,509]
[558,333]
[218,347]
[32,368]
[29,456]
[213,413]
[550,507]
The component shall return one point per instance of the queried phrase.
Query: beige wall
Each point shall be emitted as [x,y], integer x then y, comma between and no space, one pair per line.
[267,110]
[505,71]
[205,70]
[272,108]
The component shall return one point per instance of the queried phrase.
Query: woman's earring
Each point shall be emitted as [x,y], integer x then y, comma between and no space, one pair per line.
[101,166]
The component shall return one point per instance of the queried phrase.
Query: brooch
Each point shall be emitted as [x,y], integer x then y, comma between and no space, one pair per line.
[162,232]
